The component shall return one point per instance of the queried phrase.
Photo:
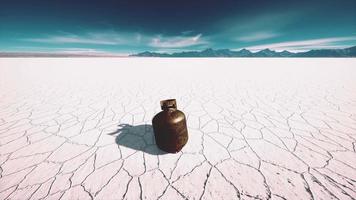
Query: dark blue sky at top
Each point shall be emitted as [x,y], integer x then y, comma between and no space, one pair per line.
[129,26]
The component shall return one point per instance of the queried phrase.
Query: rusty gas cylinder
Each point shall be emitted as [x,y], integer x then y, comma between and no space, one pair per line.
[170,127]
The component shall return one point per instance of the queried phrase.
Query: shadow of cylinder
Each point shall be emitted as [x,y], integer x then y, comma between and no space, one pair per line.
[139,137]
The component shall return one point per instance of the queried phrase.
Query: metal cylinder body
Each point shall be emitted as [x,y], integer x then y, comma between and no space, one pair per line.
[170,127]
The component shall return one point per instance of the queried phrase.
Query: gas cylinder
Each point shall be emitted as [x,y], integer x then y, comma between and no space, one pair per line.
[170,127]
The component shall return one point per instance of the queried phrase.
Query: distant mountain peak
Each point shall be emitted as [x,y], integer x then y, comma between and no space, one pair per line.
[267,50]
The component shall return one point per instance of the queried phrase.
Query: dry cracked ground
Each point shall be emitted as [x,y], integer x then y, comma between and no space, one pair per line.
[80,128]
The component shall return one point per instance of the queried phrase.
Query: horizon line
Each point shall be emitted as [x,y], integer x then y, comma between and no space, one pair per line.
[113,54]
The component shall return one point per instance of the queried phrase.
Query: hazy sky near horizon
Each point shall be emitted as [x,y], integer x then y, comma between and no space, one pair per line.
[131,26]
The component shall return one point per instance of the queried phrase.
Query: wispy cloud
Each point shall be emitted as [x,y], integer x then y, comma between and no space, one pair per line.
[257,36]
[104,38]
[70,50]
[115,38]
[177,41]
[304,45]
[114,41]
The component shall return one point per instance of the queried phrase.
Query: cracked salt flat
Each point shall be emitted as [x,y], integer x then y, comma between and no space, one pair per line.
[258,128]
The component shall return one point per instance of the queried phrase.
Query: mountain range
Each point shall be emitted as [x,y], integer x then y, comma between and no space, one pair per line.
[347,52]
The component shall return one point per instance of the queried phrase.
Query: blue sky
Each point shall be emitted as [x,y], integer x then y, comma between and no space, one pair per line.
[131,26]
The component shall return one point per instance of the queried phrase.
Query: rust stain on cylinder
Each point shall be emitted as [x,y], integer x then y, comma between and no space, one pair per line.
[170,127]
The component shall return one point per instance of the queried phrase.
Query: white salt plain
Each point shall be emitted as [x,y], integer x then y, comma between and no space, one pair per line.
[80,128]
